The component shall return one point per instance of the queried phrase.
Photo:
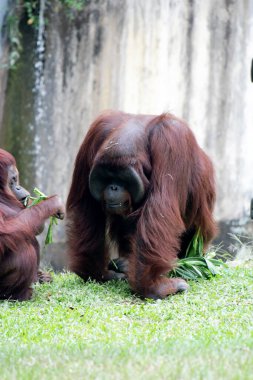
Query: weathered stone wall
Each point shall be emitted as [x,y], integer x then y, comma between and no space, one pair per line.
[191,58]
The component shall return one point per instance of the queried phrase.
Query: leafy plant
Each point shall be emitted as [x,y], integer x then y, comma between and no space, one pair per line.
[31,8]
[15,14]
[196,263]
[14,36]
[72,8]
[77,5]
[53,220]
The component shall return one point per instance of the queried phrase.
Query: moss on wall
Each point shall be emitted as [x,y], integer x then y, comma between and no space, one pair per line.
[17,132]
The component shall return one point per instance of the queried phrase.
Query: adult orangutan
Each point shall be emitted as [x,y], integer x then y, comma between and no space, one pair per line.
[140,183]
[19,249]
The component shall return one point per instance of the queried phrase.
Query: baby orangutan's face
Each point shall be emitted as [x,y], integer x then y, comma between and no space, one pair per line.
[13,183]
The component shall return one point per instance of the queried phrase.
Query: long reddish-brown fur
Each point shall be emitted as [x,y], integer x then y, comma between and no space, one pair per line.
[179,198]
[19,249]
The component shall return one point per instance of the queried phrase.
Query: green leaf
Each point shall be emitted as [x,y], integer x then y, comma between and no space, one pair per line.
[184,273]
[114,264]
[53,220]
[195,265]
[39,193]
[195,248]
[199,273]
[49,237]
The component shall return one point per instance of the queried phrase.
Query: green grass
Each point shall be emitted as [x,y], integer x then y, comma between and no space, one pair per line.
[73,330]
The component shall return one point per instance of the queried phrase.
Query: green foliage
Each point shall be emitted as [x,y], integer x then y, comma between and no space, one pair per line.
[73,7]
[194,268]
[14,36]
[31,7]
[196,246]
[16,12]
[35,200]
[196,263]
[77,5]
[49,236]
[76,330]
[53,220]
